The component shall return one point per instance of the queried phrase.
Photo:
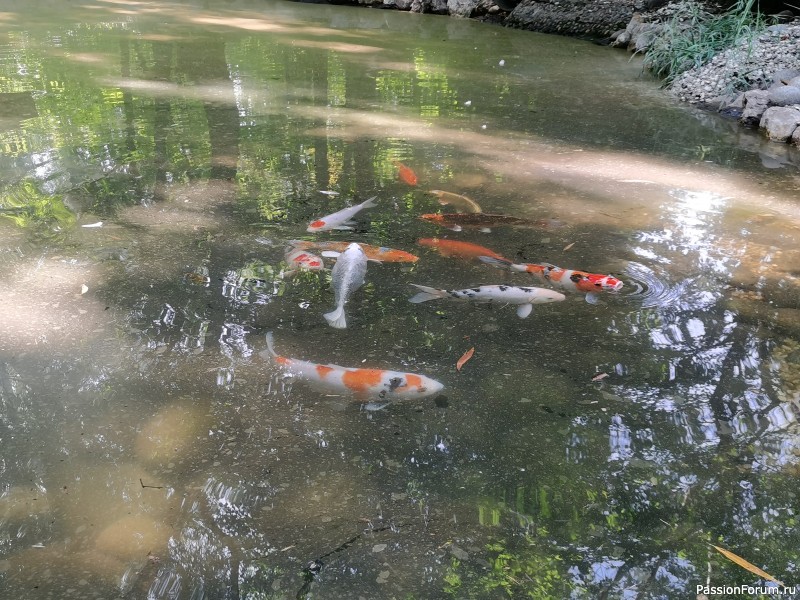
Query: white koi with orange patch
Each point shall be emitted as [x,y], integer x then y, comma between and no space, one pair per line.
[341,219]
[361,383]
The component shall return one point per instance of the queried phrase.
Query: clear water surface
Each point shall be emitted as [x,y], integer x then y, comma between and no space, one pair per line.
[156,158]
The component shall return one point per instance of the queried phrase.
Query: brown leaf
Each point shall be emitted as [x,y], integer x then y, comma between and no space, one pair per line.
[599,376]
[467,355]
[744,564]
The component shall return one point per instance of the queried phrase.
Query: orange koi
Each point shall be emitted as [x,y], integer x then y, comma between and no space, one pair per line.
[374,253]
[458,249]
[567,279]
[406,174]
[362,383]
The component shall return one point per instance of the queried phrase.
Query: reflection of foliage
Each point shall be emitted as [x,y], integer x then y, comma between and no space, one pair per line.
[530,571]
[24,204]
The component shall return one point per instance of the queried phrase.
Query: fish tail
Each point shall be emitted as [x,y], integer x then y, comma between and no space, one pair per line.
[270,345]
[336,318]
[427,293]
[369,203]
[501,263]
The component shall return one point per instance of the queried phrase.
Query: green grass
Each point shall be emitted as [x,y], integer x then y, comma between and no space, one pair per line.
[693,36]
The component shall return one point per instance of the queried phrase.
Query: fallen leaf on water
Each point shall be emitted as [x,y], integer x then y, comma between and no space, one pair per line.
[568,246]
[84,288]
[599,376]
[467,355]
[744,564]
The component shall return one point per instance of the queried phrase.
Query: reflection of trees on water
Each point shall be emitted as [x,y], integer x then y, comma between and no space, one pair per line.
[608,487]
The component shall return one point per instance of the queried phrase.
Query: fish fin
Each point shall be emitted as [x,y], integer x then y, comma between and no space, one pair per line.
[593,298]
[427,293]
[270,345]
[336,318]
[369,203]
[375,406]
[330,253]
[377,260]
[485,230]
[287,274]
[343,227]
[523,310]
[455,228]
[545,264]
[500,263]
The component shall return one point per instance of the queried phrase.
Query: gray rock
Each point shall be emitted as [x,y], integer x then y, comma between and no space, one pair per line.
[572,17]
[785,75]
[462,8]
[755,103]
[795,139]
[622,39]
[438,7]
[783,96]
[780,122]
[403,4]
[645,35]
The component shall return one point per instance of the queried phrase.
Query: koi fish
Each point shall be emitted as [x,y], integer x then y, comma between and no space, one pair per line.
[462,203]
[405,173]
[524,297]
[374,253]
[300,260]
[484,221]
[362,383]
[340,219]
[457,249]
[346,277]
[567,279]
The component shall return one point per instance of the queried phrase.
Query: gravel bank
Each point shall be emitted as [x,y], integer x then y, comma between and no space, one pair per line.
[744,67]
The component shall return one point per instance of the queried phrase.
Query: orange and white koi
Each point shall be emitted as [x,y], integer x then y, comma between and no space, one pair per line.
[524,297]
[457,248]
[302,260]
[362,383]
[566,279]
[341,219]
[484,221]
[346,277]
[406,174]
[374,253]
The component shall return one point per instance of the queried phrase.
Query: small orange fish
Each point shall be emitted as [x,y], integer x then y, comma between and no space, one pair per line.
[458,249]
[361,383]
[406,174]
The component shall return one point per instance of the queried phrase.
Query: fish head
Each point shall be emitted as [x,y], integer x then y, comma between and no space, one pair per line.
[606,283]
[410,385]
[428,242]
[318,225]
[544,295]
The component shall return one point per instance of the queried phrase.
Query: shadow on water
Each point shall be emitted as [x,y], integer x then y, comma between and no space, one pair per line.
[590,450]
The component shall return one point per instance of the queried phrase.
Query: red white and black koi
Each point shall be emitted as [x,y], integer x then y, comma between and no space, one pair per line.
[341,219]
[302,260]
[362,383]
[524,297]
[567,279]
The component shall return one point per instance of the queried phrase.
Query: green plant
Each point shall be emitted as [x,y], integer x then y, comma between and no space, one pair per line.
[693,36]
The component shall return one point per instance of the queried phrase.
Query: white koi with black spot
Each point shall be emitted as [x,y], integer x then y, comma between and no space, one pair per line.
[523,297]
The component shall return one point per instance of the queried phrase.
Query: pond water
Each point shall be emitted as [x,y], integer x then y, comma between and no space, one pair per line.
[155,160]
